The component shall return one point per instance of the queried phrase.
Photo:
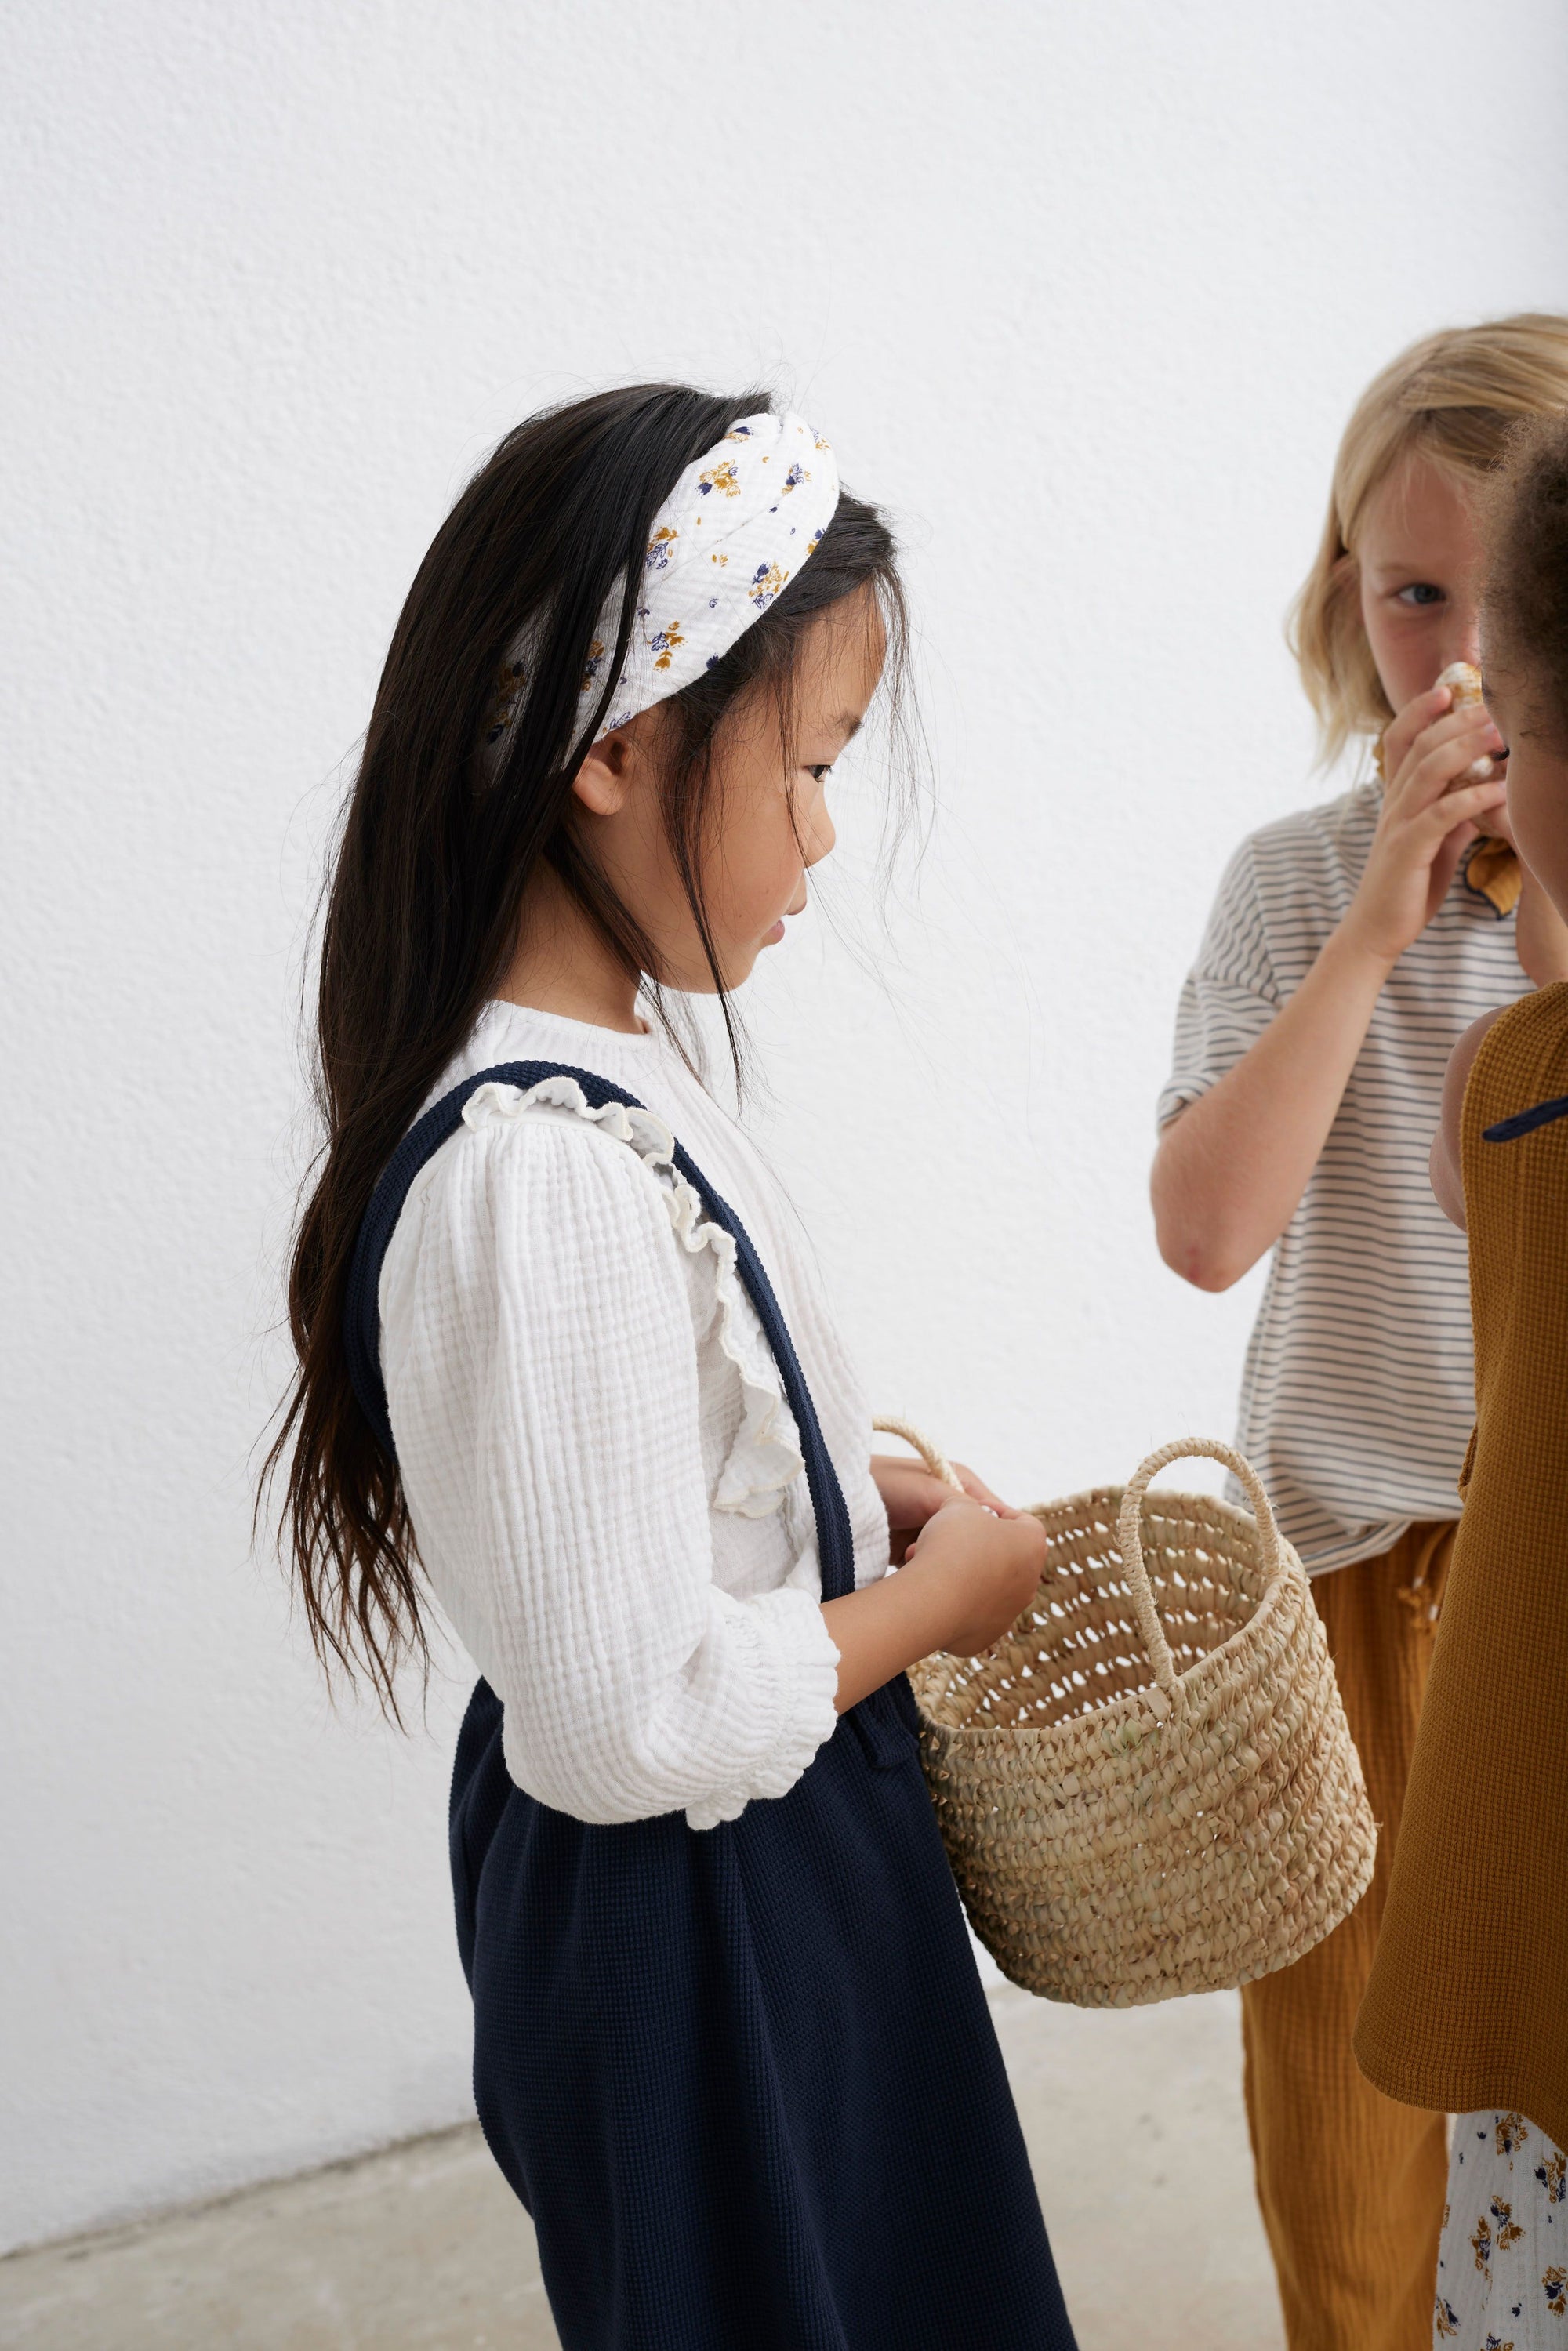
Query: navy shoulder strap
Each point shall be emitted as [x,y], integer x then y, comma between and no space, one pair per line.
[361,1313]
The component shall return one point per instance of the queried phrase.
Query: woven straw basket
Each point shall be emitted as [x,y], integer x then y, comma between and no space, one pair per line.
[1148,1785]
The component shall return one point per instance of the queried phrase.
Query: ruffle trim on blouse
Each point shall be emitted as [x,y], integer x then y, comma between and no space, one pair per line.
[764,1459]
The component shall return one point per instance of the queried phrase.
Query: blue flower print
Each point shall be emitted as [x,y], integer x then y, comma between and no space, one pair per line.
[766,584]
[664,643]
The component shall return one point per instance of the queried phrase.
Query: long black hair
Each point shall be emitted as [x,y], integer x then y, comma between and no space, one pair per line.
[441,838]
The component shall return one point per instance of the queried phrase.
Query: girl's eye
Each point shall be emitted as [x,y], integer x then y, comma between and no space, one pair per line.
[1420,592]
[821,772]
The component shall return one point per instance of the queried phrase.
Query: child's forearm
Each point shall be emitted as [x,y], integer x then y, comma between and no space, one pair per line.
[886,1627]
[1231,1169]
[961,1587]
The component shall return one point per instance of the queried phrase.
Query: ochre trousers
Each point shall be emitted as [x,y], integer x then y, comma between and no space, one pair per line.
[1352,2185]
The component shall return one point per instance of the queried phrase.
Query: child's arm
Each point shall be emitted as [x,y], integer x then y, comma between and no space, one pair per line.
[966,1577]
[1447,1157]
[1231,1168]
[910,1495]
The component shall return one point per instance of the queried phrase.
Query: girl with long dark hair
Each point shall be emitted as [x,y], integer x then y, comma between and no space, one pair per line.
[564,1365]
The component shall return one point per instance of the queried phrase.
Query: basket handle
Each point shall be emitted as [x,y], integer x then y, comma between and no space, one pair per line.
[938,1463]
[1130,1542]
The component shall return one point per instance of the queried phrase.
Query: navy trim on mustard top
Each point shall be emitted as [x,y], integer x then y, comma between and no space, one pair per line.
[1525,1121]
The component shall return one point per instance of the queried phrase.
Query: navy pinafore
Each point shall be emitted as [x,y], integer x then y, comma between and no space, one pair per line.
[744,2078]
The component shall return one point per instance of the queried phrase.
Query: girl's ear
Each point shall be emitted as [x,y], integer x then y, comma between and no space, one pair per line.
[603,780]
[625,762]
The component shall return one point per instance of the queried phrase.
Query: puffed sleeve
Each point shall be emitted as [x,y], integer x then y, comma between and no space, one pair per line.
[1230,996]
[541,1365]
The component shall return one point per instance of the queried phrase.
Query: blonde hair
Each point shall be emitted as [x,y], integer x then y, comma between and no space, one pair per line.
[1451,399]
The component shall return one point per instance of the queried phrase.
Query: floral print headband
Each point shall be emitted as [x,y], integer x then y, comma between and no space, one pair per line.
[733,532]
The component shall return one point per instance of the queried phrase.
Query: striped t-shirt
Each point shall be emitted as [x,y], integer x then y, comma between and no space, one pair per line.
[1357,1398]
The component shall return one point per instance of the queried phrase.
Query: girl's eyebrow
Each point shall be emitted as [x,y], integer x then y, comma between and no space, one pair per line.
[849,726]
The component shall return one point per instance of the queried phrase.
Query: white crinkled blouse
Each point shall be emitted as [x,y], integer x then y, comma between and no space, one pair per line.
[603,1474]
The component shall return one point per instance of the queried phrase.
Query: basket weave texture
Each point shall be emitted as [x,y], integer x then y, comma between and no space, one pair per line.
[1148,1785]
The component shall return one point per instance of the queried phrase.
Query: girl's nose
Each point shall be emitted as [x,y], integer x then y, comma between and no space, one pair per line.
[1462,638]
[820,838]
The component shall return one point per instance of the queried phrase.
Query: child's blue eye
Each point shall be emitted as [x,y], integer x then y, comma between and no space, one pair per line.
[1420,592]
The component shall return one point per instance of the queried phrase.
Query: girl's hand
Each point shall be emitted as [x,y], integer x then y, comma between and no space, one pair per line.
[1429,816]
[982,1570]
[910,1495]
[967,1574]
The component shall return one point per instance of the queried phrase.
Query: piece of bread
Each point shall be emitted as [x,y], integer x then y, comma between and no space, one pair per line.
[1463,680]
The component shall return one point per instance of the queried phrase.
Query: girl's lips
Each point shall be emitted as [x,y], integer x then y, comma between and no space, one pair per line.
[771,938]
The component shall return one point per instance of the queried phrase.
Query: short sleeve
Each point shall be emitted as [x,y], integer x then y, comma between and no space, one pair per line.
[1228,996]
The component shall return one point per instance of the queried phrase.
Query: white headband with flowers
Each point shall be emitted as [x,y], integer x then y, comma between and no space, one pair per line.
[733,532]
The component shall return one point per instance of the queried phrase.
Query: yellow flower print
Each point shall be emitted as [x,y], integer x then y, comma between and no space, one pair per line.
[1512,2130]
[1445,2318]
[795,476]
[1551,2175]
[593,665]
[738,433]
[721,477]
[664,644]
[1554,2286]
[1509,2231]
[821,444]
[1481,2242]
[657,558]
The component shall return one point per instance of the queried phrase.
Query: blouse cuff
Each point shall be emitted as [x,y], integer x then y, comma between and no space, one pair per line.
[795,1651]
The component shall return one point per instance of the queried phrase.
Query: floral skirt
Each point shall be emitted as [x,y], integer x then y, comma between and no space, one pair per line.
[1503,2265]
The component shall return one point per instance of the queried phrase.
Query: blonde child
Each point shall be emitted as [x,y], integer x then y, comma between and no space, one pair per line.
[1467,2009]
[564,1363]
[1350,947]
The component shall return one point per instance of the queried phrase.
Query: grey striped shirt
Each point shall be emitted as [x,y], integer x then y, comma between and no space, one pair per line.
[1357,1396]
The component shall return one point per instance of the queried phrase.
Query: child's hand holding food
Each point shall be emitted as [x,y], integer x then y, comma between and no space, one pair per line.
[1434,804]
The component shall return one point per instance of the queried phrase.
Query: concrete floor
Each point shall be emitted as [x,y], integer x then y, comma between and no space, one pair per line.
[1135,2126]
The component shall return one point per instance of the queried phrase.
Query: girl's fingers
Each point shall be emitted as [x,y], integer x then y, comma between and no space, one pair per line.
[1438,820]
[1413,720]
[979,1491]
[1445,756]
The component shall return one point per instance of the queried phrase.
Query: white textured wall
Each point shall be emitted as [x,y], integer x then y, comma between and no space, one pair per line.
[1084,295]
